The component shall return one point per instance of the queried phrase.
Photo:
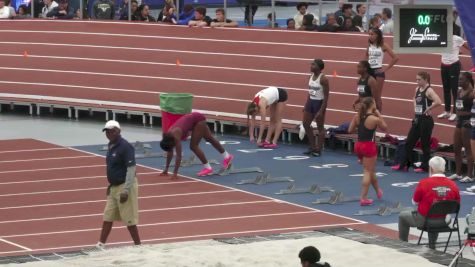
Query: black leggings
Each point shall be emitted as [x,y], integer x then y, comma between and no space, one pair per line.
[450,82]
[421,129]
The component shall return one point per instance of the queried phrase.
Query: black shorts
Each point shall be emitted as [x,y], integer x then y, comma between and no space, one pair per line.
[313,106]
[282,95]
[378,73]
[463,122]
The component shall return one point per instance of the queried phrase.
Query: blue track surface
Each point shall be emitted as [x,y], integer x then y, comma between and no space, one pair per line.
[288,160]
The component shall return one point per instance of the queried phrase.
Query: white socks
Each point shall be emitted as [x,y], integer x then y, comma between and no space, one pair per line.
[225,154]
[207,166]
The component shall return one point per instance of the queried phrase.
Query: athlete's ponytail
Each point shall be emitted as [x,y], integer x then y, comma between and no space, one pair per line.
[365,104]
[468,76]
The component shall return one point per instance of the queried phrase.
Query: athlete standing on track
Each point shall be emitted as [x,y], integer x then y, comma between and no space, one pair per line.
[196,124]
[375,56]
[275,99]
[366,83]
[463,128]
[316,106]
[425,100]
[366,121]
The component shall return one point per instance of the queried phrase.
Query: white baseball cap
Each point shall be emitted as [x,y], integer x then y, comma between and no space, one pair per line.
[111,125]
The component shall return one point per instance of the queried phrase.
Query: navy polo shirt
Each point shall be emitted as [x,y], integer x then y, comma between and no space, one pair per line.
[119,156]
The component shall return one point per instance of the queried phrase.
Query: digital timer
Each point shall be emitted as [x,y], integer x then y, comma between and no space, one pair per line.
[422,28]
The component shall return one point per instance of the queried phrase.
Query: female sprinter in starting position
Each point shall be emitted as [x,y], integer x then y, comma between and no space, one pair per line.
[316,106]
[463,128]
[366,121]
[196,124]
[375,56]
[425,100]
[273,98]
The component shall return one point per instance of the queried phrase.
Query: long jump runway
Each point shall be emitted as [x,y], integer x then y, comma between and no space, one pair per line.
[52,198]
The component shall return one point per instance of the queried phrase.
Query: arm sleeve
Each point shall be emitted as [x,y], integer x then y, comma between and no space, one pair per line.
[417,194]
[129,178]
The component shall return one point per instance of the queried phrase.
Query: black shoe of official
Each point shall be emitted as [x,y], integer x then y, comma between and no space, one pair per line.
[312,152]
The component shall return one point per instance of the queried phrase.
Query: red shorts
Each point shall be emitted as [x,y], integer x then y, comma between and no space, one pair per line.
[366,149]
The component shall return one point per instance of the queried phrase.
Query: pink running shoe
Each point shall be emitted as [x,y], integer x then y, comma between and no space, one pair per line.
[399,168]
[270,146]
[366,202]
[205,172]
[227,161]
[419,170]
[263,144]
[379,193]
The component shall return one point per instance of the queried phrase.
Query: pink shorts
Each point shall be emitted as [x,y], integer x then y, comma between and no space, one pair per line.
[366,149]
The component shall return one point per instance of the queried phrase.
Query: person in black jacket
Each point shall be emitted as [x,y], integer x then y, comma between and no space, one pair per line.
[144,14]
[103,9]
[309,257]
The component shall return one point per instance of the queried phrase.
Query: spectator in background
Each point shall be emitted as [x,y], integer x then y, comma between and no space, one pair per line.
[298,18]
[167,14]
[220,21]
[330,25]
[250,11]
[23,12]
[375,22]
[144,14]
[269,21]
[124,13]
[348,26]
[62,11]
[361,16]
[310,256]
[388,23]
[4,10]
[102,9]
[307,23]
[346,12]
[290,24]
[358,23]
[49,6]
[187,14]
[200,19]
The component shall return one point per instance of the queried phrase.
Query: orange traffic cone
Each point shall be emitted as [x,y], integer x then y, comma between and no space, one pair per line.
[25,54]
[335,74]
[178,63]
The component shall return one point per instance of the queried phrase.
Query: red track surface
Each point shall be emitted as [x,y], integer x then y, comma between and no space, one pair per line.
[52,198]
[132,63]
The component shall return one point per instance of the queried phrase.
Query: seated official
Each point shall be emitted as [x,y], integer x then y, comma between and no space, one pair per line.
[436,187]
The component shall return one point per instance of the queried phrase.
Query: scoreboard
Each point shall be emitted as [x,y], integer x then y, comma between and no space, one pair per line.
[422,29]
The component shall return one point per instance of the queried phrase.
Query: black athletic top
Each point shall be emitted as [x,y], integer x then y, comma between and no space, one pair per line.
[464,103]
[364,90]
[422,102]
[365,134]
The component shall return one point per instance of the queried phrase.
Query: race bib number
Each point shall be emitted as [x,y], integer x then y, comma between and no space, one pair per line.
[472,122]
[459,104]
[373,61]
[361,89]
[312,92]
[418,109]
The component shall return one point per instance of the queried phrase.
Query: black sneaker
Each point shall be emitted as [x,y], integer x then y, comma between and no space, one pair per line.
[312,152]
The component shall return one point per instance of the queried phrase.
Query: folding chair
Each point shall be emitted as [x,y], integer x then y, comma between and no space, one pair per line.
[443,207]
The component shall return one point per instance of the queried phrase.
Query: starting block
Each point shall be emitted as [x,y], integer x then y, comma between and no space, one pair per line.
[150,154]
[266,178]
[336,198]
[382,211]
[313,189]
[231,170]
[192,160]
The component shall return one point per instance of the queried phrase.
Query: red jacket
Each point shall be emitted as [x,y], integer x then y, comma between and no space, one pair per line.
[434,188]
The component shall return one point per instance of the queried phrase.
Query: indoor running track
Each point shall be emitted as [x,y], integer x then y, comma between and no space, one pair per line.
[52,198]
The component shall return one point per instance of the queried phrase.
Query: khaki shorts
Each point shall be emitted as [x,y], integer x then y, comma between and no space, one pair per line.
[128,212]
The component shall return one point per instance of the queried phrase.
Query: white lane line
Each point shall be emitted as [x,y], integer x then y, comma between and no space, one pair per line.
[51,169]
[69,179]
[15,244]
[142,211]
[33,150]
[207,236]
[171,223]
[89,189]
[40,159]
[175,38]
[104,200]
[199,53]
